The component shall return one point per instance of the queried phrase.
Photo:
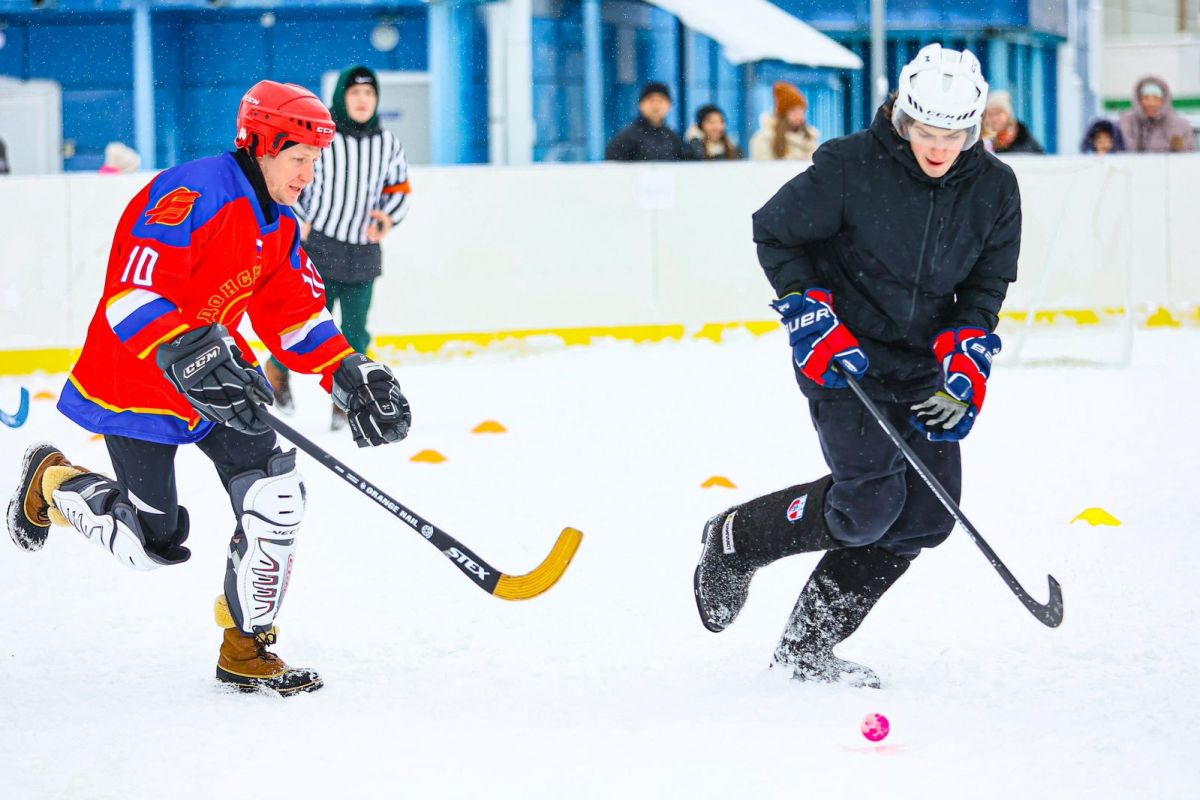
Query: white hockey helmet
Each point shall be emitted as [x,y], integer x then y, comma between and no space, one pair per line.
[942,89]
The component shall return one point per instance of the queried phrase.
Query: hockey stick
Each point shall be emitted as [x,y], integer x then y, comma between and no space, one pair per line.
[18,419]
[507,587]
[1051,613]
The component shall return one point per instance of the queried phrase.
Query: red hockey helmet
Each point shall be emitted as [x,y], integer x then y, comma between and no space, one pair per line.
[272,114]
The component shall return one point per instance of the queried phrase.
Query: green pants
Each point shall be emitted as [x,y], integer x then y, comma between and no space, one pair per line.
[355,299]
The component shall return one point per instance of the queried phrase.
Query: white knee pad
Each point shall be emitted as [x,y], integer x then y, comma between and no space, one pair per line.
[94,505]
[269,506]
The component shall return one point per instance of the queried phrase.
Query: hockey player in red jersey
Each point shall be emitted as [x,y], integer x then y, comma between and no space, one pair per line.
[202,246]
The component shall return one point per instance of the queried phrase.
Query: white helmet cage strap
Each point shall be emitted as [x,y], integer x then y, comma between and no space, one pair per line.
[942,89]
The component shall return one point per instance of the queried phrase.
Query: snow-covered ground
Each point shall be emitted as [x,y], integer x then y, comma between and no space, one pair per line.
[608,686]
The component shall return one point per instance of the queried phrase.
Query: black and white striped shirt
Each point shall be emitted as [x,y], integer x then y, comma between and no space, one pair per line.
[356,175]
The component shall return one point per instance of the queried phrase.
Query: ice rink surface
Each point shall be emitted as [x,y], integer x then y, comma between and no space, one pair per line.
[608,686]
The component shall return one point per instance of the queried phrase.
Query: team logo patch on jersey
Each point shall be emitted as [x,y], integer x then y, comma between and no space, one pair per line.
[175,206]
[796,509]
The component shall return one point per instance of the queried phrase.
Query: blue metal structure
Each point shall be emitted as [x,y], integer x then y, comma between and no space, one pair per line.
[166,75]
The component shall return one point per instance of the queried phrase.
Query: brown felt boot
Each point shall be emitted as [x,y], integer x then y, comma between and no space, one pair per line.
[246,664]
[30,512]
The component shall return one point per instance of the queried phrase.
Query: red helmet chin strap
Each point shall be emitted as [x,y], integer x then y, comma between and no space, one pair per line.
[272,114]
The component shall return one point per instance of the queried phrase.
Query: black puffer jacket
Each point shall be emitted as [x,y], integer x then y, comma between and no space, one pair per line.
[905,255]
[641,141]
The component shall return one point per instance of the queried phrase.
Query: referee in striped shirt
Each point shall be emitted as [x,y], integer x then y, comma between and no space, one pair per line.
[359,192]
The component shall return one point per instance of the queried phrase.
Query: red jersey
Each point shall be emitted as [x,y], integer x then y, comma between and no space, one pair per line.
[192,249]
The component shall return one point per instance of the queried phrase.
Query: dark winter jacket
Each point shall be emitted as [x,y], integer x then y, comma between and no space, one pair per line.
[1023,143]
[905,255]
[1103,126]
[641,141]
[3,159]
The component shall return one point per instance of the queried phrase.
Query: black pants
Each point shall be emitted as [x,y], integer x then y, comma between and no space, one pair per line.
[146,471]
[876,497]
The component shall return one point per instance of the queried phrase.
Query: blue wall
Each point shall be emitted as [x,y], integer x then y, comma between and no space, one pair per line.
[640,44]
[93,60]
[204,60]
[643,43]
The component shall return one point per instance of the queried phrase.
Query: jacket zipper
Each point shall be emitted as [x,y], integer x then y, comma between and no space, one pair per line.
[912,307]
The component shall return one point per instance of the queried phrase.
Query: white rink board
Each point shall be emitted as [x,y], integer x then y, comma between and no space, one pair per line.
[551,246]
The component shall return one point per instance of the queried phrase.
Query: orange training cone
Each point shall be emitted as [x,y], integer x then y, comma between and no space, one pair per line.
[718,480]
[489,426]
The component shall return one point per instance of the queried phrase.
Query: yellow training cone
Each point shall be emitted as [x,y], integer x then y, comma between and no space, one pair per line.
[96,437]
[45,396]
[1162,319]
[1097,516]
[428,457]
[489,426]
[718,480]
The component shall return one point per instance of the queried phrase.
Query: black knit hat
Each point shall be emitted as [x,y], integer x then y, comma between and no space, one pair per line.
[360,75]
[357,75]
[655,87]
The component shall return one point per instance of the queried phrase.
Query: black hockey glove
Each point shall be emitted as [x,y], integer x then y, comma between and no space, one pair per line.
[207,367]
[370,396]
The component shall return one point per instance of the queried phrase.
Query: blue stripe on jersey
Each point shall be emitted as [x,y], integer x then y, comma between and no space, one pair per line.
[134,324]
[161,428]
[316,337]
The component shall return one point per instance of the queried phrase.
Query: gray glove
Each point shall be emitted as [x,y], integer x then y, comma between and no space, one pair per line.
[941,411]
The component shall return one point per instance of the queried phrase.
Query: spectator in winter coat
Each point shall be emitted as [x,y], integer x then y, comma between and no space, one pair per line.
[1152,126]
[344,225]
[648,138]
[119,159]
[1002,129]
[785,134]
[709,137]
[1103,137]
[3,159]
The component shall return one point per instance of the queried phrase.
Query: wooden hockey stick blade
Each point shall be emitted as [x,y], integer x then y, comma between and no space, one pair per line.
[546,574]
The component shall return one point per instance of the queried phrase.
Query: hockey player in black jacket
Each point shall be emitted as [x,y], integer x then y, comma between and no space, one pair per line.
[890,257]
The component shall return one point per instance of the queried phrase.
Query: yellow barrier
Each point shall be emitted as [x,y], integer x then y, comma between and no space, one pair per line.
[393,348]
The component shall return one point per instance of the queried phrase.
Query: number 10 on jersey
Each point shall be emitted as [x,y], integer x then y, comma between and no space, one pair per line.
[143,272]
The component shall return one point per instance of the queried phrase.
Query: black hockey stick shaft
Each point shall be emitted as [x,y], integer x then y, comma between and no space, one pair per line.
[481,573]
[1050,613]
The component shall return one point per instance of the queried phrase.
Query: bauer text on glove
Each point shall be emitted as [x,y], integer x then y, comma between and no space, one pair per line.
[819,340]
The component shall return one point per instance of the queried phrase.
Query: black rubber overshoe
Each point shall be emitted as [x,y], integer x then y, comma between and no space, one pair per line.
[291,682]
[722,580]
[822,666]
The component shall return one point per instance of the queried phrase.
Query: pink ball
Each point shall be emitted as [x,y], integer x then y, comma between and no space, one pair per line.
[875,727]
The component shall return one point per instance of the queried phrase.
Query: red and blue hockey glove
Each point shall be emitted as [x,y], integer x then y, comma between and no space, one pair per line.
[819,340]
[966,358]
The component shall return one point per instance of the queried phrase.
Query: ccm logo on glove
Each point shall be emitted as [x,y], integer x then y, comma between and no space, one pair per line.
[194,367]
